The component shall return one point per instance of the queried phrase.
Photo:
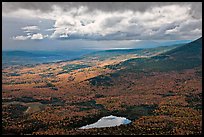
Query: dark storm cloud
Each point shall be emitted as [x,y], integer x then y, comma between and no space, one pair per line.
[196,10]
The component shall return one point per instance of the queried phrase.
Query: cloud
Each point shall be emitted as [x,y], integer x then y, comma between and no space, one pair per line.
[30,28]
[112,21]
[103,6]
[21,37]
[172,31]
[37,36]
[154,23]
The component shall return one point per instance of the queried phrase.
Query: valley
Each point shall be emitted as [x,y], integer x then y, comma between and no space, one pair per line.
[158,89]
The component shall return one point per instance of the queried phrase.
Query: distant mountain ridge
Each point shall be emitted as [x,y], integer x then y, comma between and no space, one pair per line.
[188,50]
[186,56]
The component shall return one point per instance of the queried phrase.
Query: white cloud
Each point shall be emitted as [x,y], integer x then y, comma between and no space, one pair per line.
[157,23]
[37,36]
[30,28]
[196,31]
[172,31]
[122,25]
[21,37]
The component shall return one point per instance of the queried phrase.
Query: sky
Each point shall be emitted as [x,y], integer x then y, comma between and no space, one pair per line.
[97,25]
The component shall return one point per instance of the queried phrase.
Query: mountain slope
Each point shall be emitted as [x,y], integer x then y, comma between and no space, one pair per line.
[103,55]
[183,57]
[193,49]
[177,57]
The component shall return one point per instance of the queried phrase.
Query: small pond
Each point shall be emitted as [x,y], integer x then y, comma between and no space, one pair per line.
[108,121]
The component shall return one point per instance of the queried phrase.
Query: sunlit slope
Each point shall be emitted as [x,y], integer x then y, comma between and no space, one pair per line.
[190,50]
[184,57]
[107,54]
